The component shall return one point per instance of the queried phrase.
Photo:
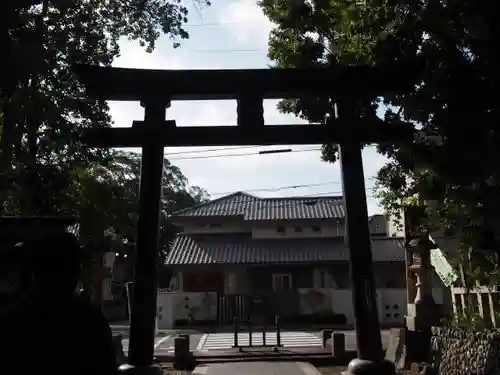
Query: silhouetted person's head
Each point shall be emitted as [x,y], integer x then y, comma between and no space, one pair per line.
[55,263]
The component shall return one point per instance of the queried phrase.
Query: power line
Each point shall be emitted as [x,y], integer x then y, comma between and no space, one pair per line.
[233,155]
[288,187]
[326,193]
[209,150]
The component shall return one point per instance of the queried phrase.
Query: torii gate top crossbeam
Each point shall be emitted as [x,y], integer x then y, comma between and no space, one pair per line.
[125,84]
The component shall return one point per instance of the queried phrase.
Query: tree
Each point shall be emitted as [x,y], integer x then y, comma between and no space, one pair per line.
[106,197]
[45,109]
[454,159]
[44,167]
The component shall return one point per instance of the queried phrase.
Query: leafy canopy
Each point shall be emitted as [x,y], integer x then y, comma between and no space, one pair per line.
[45,168]
[454,162]
[45,109]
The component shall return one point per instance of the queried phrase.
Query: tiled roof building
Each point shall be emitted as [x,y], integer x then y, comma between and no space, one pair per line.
[248,240]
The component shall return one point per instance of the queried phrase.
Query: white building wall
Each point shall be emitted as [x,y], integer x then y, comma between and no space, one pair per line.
[391,305]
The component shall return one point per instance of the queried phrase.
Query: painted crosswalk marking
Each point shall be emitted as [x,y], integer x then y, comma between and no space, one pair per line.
[158,346]
[289,339]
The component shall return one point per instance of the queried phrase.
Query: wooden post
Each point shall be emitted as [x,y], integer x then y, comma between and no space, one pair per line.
[491,306]
[250,111]
[143,319]
[129,290]
[368,337]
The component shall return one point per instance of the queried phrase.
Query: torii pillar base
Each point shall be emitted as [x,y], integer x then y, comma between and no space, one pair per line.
[366,367]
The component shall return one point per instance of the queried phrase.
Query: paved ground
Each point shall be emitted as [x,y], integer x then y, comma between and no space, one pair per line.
[257,368]
[289,339]
[216,341]
[163,345]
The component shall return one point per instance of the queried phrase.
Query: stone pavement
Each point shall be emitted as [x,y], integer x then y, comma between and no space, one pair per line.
[257,368]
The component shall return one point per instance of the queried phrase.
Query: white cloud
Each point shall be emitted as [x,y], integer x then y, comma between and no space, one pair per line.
[216,171]
[246,20]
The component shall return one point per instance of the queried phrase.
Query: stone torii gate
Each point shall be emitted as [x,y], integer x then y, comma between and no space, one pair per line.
[155,89]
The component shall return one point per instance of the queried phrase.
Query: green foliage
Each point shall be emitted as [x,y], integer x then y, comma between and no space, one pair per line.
[454,160]
[45,108]
[105,197]
[45,169]
[470,321]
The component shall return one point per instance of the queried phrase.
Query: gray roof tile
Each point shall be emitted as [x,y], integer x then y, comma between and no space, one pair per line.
[254,208]
[230,205]
[242,249]
[296,209]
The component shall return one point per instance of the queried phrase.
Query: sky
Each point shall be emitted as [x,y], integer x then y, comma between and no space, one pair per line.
[233,34]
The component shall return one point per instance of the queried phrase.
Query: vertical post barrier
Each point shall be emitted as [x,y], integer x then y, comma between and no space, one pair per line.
[264,329]
[278,330]
[235,331]
[338,344]
[250,333]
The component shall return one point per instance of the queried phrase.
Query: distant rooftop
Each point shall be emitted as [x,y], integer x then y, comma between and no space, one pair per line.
[253,208]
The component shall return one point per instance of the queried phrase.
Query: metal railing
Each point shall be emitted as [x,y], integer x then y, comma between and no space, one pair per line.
[237,325]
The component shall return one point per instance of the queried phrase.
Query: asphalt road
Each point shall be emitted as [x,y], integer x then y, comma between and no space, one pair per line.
[165,343]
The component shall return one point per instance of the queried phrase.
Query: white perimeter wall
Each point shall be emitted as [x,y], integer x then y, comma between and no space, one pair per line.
[391,305]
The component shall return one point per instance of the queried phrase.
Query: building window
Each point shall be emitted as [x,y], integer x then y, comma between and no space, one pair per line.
[215,225]
[316,229]
[282,282]
[280,230]
[298,229]
[199,225]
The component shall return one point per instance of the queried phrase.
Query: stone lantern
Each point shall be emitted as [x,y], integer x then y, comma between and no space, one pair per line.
[421,248]
[423,312]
